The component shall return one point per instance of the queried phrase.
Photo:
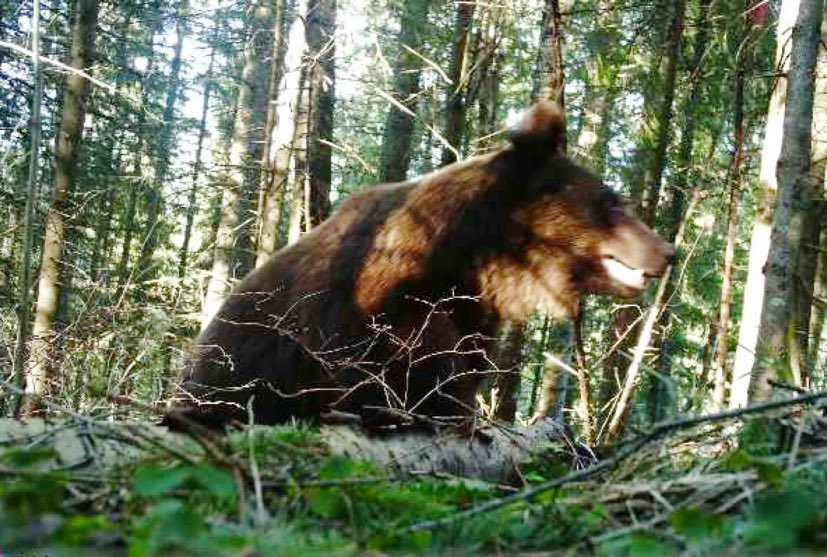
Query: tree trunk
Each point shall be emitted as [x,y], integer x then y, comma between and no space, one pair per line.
[662,393]
[455,106]
[775,352]
[139,180]
[549,72]
[601,90]
[664,121]
[549,84]
[163,153]
[41,365]
[808,308]
[552,385]
[759,244]
[509,359]
[298,207]
[399,125]
[281,123]
[654,135]
[24,311]
[234,225]
[197,168]
[737,175]
[320,29]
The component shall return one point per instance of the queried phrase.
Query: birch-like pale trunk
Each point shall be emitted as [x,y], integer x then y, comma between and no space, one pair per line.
[241,159]
[299,188]
[775,351]
[810,311]
[760,242]
[282,136]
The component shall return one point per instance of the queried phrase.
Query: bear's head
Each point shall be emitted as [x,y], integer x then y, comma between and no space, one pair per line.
[571,234]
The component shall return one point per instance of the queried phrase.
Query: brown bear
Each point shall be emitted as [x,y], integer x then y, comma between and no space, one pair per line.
[389,308]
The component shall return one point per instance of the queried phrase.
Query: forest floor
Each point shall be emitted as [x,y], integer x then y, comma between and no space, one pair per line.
[732,483]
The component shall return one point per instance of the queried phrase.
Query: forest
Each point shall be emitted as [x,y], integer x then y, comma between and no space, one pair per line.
[153,154]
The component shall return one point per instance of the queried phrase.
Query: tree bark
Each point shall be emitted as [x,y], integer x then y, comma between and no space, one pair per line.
[809,311]
[549,84]
[509,359]
[666,111]
[197,168]
[759,243]
[549,72]
[661,398]
[320,29]
[24,310]
[455,107]
[299,188]
[654,135]
[41,365]
[282,140]
[776,351]
[138,180]
[163,153]
[737,175]
[234,225]
[399,125]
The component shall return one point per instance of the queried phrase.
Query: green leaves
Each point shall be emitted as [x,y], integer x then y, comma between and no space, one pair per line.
[153,481]
[696,525]
[783,518]
[176,518]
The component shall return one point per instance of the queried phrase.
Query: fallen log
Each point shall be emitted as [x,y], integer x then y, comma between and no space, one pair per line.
[492,454]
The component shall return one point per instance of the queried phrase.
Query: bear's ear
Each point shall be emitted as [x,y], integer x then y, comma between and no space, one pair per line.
[541,130]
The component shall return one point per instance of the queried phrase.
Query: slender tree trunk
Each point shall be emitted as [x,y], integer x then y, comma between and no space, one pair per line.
[539,370]
[399,124]
[549,84]
[163,153]
[41,365]
[776,351]
[654,135]
[662,396]
[281,121]
[455,107]
[737,175]
[320,29]
[509,359]
[551,388]
[549,72]
[139,180]
[809,310]
[666,111]
[197,168]
[24,310]
[759,244]
[298,207]
[489,102]
[233,224]
[128,224]
[601,90]
[102,233]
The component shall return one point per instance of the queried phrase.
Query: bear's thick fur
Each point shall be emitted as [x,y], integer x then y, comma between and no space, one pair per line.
[389,307]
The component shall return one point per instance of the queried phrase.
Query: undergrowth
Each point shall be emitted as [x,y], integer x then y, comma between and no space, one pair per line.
[279,491]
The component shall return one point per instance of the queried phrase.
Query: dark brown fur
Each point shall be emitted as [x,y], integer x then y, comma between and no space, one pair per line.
[392,302]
